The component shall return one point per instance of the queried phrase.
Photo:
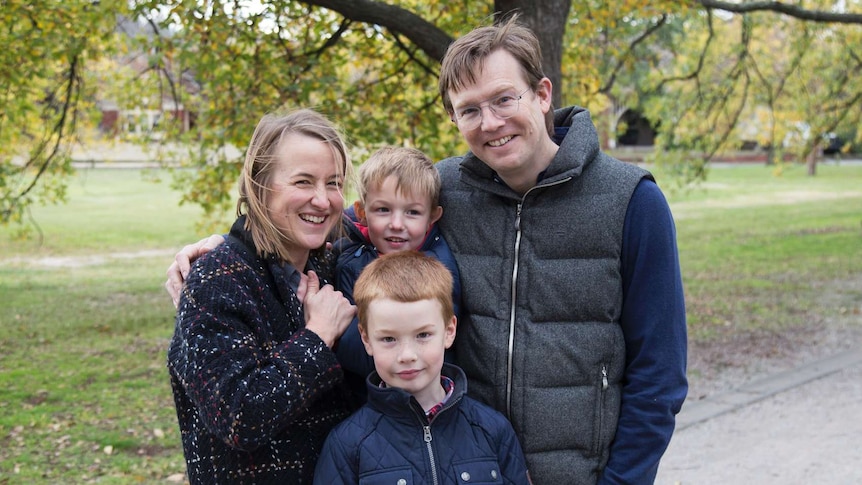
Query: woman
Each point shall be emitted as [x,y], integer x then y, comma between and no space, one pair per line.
[255,380]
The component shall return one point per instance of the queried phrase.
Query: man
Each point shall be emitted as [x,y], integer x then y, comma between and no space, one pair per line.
[573,315]
[573,319]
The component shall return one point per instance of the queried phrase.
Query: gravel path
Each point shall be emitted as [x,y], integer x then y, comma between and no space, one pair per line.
[776,409]
[808,434]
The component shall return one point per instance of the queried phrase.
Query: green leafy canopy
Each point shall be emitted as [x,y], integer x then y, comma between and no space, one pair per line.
[710,75]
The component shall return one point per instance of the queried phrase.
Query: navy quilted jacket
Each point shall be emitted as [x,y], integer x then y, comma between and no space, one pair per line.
[390,441]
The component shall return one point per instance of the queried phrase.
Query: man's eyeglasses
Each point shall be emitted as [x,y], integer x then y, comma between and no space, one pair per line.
[503,106]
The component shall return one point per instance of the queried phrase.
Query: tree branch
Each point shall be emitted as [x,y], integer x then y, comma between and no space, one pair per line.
[411,55]
[701,60]
[424,34]
[790,10]
[648,32]
[57,133]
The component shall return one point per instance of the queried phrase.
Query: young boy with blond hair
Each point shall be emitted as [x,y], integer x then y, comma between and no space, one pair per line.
[398,206]
[418,424]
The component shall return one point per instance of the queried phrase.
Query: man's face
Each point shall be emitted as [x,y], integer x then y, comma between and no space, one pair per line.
[518,148]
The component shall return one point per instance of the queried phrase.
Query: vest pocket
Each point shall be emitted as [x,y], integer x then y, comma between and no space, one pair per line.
[601,393]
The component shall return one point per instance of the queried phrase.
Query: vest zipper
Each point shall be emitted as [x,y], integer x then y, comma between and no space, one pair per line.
[600,409]
[512,312]
[515,266]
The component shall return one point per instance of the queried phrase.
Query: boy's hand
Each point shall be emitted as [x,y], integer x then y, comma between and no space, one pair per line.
[179,269]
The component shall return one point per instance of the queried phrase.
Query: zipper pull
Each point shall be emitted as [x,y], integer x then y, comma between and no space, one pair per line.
[604,377]
[427,432]
[518,217]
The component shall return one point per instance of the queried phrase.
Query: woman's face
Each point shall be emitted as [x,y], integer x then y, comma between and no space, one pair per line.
[306,199]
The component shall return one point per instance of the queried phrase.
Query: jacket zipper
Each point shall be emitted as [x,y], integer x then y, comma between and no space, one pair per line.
[426,436]
[515,266]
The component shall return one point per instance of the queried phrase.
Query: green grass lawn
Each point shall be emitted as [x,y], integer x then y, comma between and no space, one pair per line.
[757,250]
[84,394]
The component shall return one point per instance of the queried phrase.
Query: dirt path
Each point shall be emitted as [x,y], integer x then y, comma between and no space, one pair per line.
[807,434]
[86,260]
[728,362]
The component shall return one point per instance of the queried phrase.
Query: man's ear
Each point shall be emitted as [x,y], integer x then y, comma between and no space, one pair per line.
[436,214]
[359,210]
[545,93]
[449,331]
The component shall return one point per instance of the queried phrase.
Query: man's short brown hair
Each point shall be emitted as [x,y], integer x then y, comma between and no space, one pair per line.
[465,56]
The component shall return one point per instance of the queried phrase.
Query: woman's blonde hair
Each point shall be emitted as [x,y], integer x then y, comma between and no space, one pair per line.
[261,160]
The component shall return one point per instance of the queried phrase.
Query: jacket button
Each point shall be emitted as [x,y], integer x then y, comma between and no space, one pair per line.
[494,474]
[402,481]
[465,476]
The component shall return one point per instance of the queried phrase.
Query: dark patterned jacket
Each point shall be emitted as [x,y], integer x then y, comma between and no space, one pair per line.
[256,394]
[391,441]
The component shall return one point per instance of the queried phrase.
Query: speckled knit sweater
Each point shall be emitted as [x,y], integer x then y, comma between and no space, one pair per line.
[256,394]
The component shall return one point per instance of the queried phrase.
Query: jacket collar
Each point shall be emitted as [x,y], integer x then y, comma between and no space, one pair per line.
[579,145]
[399,404]
[357,235]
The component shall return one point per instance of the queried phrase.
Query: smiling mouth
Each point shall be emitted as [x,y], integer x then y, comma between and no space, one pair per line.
[312,219]
[500,141]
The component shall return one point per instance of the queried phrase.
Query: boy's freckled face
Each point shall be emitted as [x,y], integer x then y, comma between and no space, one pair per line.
[407,341]
[397,221]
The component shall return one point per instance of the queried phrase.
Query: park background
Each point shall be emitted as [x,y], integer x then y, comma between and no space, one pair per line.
[772,268]
[122,133]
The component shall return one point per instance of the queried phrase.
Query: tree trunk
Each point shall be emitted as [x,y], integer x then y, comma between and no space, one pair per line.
[547,19]
[811,160]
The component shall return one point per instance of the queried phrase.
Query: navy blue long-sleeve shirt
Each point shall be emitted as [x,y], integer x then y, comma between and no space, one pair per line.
[655,385]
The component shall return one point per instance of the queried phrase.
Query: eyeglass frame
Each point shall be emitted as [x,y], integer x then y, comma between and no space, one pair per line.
[489,103]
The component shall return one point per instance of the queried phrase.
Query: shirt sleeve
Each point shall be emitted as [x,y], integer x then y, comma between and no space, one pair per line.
[654,327]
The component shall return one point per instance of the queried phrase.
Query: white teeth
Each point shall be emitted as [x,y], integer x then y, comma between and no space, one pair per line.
[314,219]
[500,142]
